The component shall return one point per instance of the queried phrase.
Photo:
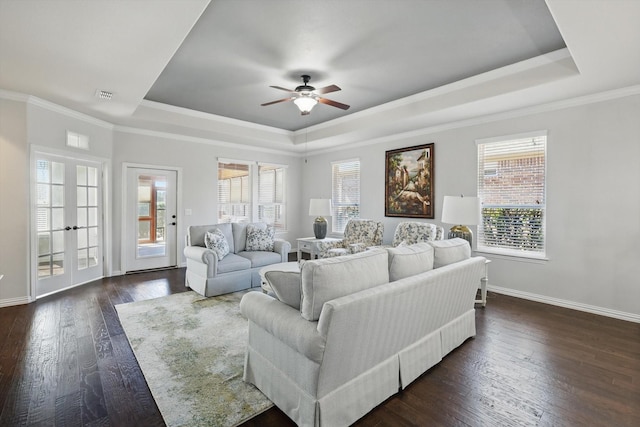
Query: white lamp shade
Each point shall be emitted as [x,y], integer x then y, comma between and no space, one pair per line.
[320,207]
[460,210]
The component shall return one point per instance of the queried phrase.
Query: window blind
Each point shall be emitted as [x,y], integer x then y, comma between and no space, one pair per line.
[271,204]
[512,189]
[345,193]
[234,192]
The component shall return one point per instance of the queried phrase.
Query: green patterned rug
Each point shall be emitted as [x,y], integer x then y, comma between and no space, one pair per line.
[191,352]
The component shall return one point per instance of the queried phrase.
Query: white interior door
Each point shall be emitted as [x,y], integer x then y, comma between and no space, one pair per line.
[151,218]
[68,222]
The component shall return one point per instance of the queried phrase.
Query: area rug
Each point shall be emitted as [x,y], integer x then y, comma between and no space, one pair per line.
[191,352]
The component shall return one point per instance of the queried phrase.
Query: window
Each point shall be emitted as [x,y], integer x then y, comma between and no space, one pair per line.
[511,187]
[250,192]
[345,193]
[234,192]
[271,207]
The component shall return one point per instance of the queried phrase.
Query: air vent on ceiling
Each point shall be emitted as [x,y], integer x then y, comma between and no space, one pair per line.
[104,94]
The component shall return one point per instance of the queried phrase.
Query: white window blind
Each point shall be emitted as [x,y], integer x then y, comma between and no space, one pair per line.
[345,193]
[511,187]
[234,192]
[271,203]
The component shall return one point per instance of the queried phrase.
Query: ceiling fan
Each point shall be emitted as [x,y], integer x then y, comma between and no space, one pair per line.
[306,97]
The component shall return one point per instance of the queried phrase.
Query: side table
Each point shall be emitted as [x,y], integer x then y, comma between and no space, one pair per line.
[310,245]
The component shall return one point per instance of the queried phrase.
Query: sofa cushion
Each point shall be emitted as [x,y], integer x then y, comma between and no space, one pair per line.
[261,258]
[286,286]
[260,239]
[217,242]
[240,234]
[409,260]
[233,262]
[326,279]
[196,234]
[446,252]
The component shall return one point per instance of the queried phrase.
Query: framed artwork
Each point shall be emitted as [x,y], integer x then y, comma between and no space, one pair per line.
[409,182]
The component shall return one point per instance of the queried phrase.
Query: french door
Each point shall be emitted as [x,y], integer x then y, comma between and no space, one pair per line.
[68,222]
[150,218]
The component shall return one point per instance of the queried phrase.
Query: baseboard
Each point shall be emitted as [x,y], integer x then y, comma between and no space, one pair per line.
[8,302]
[630,317]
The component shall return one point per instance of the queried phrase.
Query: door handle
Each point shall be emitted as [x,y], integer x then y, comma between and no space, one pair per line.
[173,223]
[67,228]
[75,227]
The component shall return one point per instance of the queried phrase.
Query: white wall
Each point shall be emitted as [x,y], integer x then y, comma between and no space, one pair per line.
[14,203]
[593,200]
[199,168]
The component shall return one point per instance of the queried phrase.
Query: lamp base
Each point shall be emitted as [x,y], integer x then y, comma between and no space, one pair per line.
[320,228]
[463,232]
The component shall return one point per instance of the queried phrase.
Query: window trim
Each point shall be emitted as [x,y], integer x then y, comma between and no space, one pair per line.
[523,255]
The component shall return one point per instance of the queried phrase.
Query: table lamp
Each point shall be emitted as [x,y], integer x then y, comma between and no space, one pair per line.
[320,208]
[462,211]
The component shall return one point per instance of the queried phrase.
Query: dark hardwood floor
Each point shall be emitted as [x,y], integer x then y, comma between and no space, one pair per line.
[65,361]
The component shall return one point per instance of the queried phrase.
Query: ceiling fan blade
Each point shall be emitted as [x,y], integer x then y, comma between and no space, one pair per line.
[333,103]
[276,102]
[327,89]
[282,88]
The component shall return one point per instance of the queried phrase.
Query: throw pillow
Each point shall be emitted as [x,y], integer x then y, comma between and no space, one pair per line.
[409,260]
[286,286]
[260,240]
[448,251]
[216,241]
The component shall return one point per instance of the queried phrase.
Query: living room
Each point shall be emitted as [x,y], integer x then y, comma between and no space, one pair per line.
[592,176]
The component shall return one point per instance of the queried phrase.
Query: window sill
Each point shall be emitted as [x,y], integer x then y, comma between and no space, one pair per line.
[511,257]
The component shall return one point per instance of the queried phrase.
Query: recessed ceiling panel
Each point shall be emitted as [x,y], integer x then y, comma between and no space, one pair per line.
[376,51]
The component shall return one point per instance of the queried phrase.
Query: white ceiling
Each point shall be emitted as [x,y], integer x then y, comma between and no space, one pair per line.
[403,65]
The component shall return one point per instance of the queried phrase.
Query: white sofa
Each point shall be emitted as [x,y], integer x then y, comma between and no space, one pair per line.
[367,325]
[239,269]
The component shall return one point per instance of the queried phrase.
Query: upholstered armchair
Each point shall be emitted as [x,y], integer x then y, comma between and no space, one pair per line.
[359,234]
[411,232]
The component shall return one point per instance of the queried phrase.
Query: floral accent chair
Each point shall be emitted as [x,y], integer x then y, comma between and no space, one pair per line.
[410,232]
[359,234]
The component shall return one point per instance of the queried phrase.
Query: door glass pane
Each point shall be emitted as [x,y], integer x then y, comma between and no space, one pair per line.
[82,238]
[81,218]
[57,195]
[82,196]
[44,219]
[57,266]
[93,217]
[44,266]
[92,176]
[57,241]
[82,259]
[57,218]
[57,175]
[92,199]
[42,171]
[93,257]
[151,205]
[93,236]
[82,175]
[42,194]
[44,243]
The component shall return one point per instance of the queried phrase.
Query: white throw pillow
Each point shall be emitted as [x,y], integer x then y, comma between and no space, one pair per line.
[286,286]
[259,239]
[446,252]
[330,278]
[216,241]
[409,260]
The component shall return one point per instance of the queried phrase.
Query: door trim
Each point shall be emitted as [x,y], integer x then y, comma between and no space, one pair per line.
[123,213]
[106,209]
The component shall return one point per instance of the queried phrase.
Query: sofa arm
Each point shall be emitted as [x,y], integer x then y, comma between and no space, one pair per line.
[202,255]
[284,323]
[283,248]
[325,247]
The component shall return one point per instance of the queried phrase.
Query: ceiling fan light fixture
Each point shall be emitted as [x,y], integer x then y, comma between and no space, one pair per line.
[305,103]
